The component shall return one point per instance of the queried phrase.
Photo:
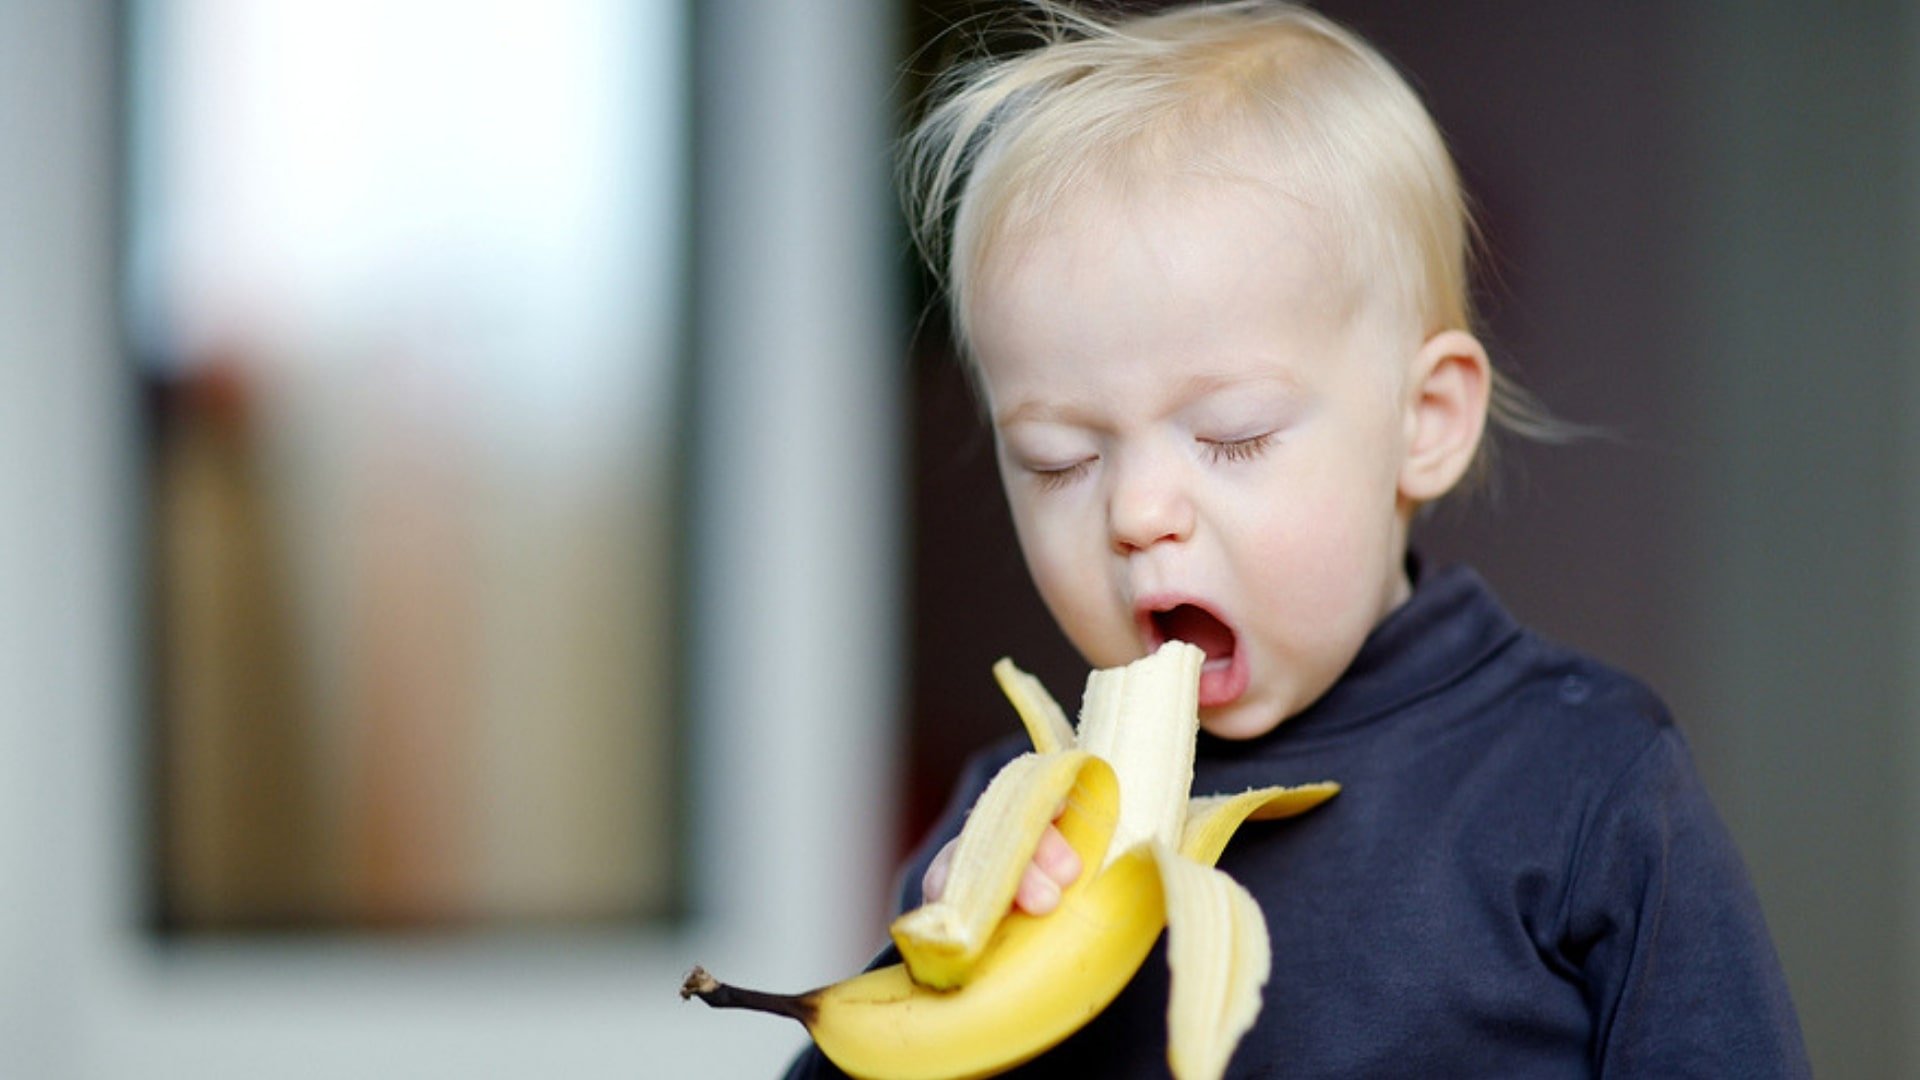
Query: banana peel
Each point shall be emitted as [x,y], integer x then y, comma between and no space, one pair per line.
[981,986]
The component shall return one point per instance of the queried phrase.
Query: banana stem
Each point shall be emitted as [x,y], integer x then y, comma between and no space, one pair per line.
[721,996]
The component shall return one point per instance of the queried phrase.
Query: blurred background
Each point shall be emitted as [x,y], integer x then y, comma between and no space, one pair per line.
[489,516]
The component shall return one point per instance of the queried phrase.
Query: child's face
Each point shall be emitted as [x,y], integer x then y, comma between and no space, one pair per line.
[1196,442]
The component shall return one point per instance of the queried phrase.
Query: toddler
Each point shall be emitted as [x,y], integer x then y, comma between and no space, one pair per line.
[1209,269]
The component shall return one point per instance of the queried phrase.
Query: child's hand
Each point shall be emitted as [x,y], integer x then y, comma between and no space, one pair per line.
[1055,865]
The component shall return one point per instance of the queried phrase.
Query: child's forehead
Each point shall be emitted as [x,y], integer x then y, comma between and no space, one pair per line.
[1174,222]
[1210,278]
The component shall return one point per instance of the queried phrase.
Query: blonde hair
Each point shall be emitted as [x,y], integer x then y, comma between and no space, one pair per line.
[1247,89]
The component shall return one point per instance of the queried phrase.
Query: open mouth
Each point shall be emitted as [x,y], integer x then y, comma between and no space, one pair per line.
[1195,626]
[1225,675]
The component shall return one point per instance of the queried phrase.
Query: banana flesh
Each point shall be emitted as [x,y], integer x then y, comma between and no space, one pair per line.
[983,988]
[1143,719]
[1218,952]
[941,941]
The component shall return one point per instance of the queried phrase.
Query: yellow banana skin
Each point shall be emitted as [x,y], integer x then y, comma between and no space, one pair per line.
[1036,980]
[1213,819]
[942,942]
[1039,980]
[1042,980]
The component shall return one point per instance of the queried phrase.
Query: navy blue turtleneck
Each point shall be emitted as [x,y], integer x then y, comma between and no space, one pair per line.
[1522,876]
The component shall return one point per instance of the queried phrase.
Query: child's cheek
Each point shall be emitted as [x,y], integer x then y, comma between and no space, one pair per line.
[1317,548]
[1073,583]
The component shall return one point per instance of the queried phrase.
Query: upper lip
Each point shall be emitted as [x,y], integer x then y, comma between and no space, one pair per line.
[1146,607]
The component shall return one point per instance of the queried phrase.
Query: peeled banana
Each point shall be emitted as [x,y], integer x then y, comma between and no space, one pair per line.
[983,987]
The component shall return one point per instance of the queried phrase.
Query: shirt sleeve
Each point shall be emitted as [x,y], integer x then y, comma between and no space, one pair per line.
[1663,921]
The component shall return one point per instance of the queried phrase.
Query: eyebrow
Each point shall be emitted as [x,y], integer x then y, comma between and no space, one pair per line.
[1189,390]
[1033,411]
[1198,386]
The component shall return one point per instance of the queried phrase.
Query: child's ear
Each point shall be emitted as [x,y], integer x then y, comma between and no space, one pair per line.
[1448,388]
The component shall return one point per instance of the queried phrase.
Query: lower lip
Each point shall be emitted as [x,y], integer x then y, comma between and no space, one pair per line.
[1223,681]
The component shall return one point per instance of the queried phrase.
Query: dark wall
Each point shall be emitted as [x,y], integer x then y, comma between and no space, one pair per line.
[1703,236]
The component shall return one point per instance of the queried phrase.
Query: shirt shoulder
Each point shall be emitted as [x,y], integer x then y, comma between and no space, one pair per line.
[1564,709]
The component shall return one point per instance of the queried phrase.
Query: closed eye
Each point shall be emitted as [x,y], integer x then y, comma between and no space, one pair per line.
[1219,450]
[1054,478]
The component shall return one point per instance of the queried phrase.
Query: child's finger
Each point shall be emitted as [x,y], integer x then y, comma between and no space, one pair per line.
[934,881]
[1055,865]
[1056,858]
[1038,894]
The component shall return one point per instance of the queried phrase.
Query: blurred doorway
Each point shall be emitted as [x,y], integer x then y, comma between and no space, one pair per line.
[402,292]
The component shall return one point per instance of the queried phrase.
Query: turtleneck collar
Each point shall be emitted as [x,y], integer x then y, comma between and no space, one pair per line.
[1449,625]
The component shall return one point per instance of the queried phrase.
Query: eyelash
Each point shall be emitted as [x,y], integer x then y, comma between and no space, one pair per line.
[1237,449]
[1055,479]
[1218,451]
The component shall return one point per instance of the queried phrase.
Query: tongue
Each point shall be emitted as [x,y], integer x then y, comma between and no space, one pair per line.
[1195,627]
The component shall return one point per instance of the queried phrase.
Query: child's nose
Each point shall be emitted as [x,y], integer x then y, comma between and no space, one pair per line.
[1148,505]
